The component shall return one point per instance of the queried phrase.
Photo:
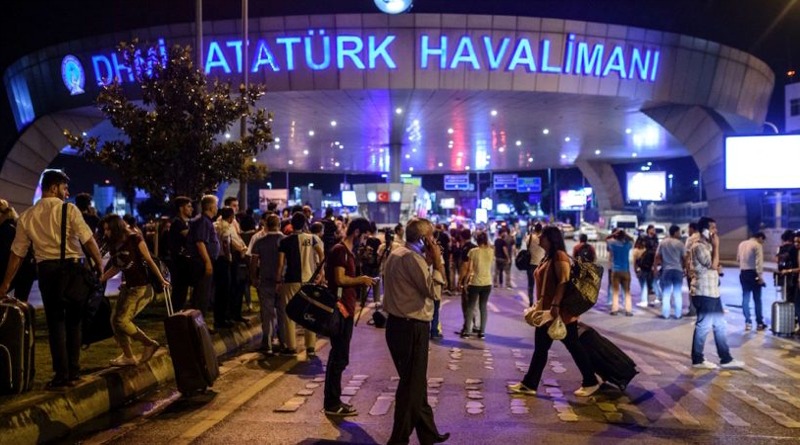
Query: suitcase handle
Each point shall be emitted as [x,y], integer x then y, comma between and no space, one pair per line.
[168,301]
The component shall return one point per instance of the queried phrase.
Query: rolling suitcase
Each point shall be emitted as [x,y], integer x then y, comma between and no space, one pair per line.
[782,314]
[193,357]
[609,362]
[16,346]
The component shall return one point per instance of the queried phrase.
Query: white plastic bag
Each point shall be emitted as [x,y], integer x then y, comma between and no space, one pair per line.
[557,329]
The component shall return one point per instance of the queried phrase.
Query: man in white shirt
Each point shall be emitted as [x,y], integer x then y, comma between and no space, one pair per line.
[40,226]
[750,256]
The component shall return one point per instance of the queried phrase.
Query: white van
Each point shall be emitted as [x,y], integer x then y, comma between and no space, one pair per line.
[629,223]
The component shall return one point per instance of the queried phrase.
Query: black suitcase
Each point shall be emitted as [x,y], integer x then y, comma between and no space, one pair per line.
[193,357]
[16,346]
[608,361]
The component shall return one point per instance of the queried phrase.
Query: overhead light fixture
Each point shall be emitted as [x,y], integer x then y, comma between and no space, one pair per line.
[336,143]
[414,150]
[311,133]
[277,146]
[493,113]
[450,131]
[597,152]
[305,152]
[441,164]
[336,164]
[277,139]
[227,135]
[398,110]
[530,159]
[501,149]
[408,156]
[628,131]
[566,139]
[545,131]
[411,169]
[563,156]
[291,162]
[333,123]
[635,155]
[518,143]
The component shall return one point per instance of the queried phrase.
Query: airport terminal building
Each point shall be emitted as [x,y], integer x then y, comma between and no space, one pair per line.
[430,93]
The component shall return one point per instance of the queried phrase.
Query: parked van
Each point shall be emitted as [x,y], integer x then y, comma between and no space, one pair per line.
[629,223]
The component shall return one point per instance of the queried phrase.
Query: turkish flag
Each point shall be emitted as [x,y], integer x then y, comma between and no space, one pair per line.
[383,196]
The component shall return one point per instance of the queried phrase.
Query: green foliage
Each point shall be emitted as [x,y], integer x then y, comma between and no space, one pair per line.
[172,143]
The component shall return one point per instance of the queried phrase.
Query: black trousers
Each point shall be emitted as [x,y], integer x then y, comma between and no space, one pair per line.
[222,290]
[338,359]
[180,270]
[542,343]
[238,288]
[408,344]
[63,323]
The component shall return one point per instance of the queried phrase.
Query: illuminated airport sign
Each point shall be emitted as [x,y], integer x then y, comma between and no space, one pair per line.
[321,50]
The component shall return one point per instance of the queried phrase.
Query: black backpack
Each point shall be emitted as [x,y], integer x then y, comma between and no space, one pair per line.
[585,254]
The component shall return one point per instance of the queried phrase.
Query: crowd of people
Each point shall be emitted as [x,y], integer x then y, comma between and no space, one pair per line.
[217,254]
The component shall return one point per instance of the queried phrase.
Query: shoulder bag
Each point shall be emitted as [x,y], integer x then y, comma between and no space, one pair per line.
[583,287]
[315,307]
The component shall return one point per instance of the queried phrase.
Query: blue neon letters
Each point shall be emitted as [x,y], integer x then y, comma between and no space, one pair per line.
[319,50]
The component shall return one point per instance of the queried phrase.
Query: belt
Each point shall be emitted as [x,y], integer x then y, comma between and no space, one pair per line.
[395,317]
[66,260]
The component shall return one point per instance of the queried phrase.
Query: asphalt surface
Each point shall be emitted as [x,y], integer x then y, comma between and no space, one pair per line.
[668,402]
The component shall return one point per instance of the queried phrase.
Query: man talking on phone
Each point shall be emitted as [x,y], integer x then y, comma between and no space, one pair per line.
[413,273]
[704,290]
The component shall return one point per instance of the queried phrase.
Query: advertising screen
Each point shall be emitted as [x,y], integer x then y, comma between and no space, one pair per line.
[647,186]
[762,162]
[447,203]
[349,198]
[573,199]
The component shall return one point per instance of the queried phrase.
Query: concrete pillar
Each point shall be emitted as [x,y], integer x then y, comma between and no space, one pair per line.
[605,185]
[702,132]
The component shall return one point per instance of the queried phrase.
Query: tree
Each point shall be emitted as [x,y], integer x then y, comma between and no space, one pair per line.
[173,142]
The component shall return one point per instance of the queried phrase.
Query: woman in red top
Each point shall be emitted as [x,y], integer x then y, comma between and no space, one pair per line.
[129,255]
[551,277]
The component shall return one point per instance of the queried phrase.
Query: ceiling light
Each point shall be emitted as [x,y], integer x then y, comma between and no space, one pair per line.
[545,131]
[597,152]
[311,132]
[291,162]
[494,113]
[277,139]
[305,152]
[333,123]
[408,156]
[277,146]
[441,164]
[83,133]
[336,164]
[336,143]
[398,110]
[411,169]
[413,150]
[628,131]
[449,131]
[530,159]
[518,143]
[649,164]
[501,149]
[635,155]
[341,146]
[563,156]
[227,135]
[566,139]
[322,167]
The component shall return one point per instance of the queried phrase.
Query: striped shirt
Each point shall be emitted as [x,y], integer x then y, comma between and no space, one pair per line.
[705,278]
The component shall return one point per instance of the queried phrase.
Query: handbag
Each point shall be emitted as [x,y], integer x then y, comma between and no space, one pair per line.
[557,329]
[583,287]
[96,325]
[80,282]
[523,260]
[316,308]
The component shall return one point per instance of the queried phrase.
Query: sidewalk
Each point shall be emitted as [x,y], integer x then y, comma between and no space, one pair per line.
[43,416]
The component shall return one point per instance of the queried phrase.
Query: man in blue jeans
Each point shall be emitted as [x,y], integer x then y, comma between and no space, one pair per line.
[669,257]
[750,256]
[704,261]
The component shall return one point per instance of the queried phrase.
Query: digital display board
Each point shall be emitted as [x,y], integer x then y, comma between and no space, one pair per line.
[762,162]
[647,186]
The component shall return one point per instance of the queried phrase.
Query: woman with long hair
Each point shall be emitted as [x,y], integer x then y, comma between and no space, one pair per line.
[129,254]
[479,277]
[551,278]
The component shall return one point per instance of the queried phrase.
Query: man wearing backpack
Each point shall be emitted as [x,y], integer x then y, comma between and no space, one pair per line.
[644,265]
[584,251]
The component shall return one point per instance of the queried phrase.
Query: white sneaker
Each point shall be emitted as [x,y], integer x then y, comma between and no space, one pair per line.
[641,304]
[733,364]
[705,365]
[586,391]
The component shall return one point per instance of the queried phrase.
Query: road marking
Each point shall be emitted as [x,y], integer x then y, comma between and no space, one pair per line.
[642,364]
[777,416]
[521,297]
[674,407]
[714,404]
[779,368]
[492,307]
[780,394]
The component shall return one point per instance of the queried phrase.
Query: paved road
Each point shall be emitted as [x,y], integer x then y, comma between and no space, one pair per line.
[666,403]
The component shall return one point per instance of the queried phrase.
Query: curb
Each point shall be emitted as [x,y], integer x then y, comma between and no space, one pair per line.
[49,415]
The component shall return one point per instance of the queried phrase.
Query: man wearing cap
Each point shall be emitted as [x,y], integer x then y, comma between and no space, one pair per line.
[40,226]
